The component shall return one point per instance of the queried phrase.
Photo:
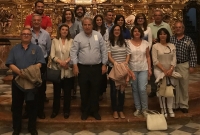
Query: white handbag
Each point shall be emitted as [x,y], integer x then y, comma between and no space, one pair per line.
[156,121]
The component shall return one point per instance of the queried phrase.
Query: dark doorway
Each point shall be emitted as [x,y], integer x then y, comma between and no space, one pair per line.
[191,21]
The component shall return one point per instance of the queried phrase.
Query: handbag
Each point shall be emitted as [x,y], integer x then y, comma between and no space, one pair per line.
[53,75]
[156,121]
[166,88]
[169,91]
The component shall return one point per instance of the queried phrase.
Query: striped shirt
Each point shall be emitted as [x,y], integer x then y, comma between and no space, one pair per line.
[118,53]
[185,50]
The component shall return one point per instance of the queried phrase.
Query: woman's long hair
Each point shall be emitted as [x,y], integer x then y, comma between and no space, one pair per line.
[117,19]
[102,28]
[145,20]
[59,29]
[120,40]
[64,18]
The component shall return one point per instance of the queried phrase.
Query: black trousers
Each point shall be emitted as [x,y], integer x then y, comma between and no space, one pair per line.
[17,106]
[41,89]
[117,96]
[66,84]
[89,81]
[103,84]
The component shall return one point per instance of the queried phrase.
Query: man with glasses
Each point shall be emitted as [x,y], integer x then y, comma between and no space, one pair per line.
[186,61]
[41,38]
[89,56]
[27,54]
[46,20]
[155,26]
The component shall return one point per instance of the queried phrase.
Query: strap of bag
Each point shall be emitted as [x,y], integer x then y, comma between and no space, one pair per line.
[169,82]
[152,112]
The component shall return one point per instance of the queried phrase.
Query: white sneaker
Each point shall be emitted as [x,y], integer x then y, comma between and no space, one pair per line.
[144,113]
[163,111]
[137,112]
[171,113]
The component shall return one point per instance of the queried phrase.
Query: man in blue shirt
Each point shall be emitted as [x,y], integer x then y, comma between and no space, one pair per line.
[20,57]
[41,38]
[89,56]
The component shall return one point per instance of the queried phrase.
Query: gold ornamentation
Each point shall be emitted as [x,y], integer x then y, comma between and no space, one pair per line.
[14,12]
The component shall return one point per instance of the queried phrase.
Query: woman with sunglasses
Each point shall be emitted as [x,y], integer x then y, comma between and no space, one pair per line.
[69,19]
[98,25]
[140,19]
[140,64]
[60,49]
[164,61]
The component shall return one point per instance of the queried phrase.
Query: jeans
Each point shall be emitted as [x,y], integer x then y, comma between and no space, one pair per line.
[139,90]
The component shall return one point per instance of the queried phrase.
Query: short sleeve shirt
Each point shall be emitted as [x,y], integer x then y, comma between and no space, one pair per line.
[46,21]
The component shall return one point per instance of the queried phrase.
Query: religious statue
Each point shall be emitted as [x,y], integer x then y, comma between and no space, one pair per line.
[6,18]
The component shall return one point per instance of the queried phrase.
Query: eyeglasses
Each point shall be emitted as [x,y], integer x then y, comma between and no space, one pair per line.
[167,50]
[36,40]
[26,34]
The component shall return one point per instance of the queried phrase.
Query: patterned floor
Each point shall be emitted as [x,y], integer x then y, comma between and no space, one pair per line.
[188,128]
[180,127]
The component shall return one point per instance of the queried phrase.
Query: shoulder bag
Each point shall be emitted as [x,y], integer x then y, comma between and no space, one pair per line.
[156,121]
[52,74]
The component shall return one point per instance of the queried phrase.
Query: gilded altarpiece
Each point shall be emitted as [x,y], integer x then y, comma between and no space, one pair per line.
[14,12]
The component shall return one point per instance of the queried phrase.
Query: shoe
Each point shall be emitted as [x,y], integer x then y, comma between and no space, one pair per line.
[171,113]
[96,116]
[115,115]
[137,112]
[66,115]
[33,132]
[152,94]
[41,115]
[184,110]
[25,115]
[16,132]
[53,115]
[121,115]
[163,111]
[144,113]
[84,116]
[176,109]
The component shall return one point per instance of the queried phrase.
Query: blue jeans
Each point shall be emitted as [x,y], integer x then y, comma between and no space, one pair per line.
[139,90]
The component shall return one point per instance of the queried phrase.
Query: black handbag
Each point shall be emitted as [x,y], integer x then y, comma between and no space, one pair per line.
[53,75]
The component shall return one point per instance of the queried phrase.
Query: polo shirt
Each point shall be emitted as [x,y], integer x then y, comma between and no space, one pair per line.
[155,28]
[22,58]
[46,21]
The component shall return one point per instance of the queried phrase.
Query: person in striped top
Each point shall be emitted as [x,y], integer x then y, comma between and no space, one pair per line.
[118,51]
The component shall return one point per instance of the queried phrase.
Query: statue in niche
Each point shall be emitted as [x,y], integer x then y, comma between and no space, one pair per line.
[6,18]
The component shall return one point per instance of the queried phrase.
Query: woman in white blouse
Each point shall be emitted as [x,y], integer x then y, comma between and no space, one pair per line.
[140,64]
[140,19]
[164,61]
[60,49]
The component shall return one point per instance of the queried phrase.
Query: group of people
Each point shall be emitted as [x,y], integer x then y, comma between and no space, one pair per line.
[89,49]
